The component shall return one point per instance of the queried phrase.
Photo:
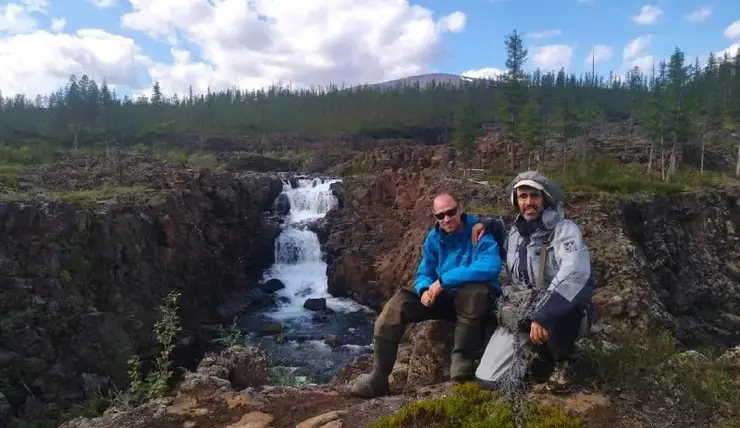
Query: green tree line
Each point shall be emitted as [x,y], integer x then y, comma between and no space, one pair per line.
[674,103]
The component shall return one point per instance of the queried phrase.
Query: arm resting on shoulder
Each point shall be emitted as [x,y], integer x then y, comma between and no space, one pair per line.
[485,267]
[426,274]
[494,225]
[573,284]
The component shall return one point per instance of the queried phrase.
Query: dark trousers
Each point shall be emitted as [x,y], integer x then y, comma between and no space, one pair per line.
[562,341]
[469,304]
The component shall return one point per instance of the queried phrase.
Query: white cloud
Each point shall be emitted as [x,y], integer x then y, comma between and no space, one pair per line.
[102,4]
[732,31]
[699,15]
[649,14]
[253,42]
[552,56]
[41,61]
[544,34]
[40,6]
[16,18]
[248,43]
[645,62]
[58,24]
[599,53]
[454,22]
[484,73]
[634,54]
[731,51]
[636,46]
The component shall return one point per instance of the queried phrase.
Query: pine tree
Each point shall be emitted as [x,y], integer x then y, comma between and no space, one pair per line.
[514,89]
[465,125]
[530,129]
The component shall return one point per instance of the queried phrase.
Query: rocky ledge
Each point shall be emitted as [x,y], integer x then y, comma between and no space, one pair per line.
[229,391]
[86,261]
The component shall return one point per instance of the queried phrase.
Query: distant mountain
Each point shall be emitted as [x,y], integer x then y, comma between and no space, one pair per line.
[424,80]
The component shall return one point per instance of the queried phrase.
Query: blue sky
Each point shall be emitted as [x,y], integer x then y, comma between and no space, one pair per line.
[582,25]
[219,46]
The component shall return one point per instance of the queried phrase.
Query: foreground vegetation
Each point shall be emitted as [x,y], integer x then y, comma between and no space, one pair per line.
[652,379]
[700,387]
[469,406]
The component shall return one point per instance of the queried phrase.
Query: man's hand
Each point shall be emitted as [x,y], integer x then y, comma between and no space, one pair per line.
[537,334]
[426,298]
[478,230]
[429,296]
[435,289]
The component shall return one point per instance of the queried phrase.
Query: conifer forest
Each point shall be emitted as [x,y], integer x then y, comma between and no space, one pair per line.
[676,102]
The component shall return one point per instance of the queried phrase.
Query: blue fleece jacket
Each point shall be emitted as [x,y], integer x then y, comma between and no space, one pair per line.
[454,260]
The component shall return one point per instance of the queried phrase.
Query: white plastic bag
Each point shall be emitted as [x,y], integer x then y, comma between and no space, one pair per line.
[500,359]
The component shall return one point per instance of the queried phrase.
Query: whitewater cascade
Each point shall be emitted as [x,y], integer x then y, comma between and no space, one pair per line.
[299,263]
[302,347]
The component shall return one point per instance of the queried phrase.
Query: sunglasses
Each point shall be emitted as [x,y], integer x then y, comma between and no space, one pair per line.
[448,213]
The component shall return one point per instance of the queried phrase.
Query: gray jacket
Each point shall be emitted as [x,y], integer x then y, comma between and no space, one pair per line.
[566,280]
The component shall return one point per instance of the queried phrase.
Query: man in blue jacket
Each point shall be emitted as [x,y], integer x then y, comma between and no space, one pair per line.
[455,280]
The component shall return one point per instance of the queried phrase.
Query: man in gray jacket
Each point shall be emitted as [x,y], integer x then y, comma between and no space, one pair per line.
[547,304]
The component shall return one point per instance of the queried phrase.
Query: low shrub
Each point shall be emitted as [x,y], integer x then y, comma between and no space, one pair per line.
[469,406]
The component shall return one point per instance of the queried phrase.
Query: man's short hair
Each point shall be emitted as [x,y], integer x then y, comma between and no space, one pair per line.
[445,193]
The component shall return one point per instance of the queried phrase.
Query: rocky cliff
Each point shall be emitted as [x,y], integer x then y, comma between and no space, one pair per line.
[84,270]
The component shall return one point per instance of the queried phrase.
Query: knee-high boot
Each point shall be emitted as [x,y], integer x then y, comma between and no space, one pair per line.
[467,342]
[375,383]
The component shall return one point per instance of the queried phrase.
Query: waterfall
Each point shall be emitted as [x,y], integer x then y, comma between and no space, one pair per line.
[299,263]
[309,343]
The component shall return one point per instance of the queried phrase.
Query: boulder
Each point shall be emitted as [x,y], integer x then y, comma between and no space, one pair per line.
[282,205]
[315,304]
[272,285]
[249,366]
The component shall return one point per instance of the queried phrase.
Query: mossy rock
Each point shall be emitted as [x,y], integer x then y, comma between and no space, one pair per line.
[469,406]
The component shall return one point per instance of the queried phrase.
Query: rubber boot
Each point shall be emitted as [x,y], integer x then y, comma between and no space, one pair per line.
[375,383]
[467,342]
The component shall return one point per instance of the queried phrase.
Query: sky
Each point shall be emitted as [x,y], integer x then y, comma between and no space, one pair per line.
[250,44]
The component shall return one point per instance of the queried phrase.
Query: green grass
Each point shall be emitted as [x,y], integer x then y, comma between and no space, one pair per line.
[657,370]
[10,174]
[27,154]
[606,174]
[89,198]
[204,160]
[174,155]
[469,406]
[192,158]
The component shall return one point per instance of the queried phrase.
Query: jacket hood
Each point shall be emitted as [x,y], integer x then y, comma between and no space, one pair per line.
[554,195]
